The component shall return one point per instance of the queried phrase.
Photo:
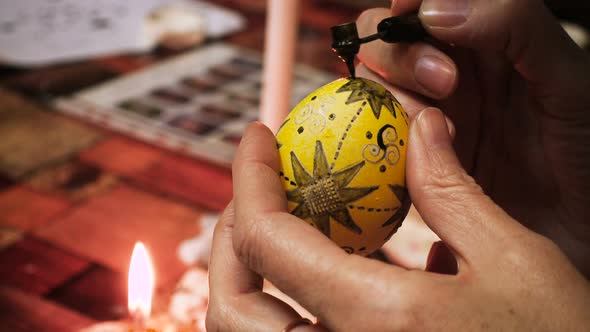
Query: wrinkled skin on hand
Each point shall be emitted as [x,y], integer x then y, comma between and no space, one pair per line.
[515,87]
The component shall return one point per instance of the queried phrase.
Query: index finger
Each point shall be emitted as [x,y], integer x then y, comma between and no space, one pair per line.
[419,67]
[236,292]
[294,256]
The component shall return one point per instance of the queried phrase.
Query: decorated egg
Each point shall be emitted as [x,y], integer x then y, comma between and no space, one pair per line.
[343,155]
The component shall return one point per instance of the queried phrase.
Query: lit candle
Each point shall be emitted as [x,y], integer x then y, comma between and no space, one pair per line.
[140,290]
[140,287]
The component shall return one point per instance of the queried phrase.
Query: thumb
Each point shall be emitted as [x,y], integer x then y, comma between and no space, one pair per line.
[524,30]
[447,198]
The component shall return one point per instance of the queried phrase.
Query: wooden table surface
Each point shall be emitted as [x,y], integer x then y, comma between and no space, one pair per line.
[75,197]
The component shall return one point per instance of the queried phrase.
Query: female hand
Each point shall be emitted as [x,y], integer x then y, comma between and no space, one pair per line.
[515,87]
[236,298]
[509,278]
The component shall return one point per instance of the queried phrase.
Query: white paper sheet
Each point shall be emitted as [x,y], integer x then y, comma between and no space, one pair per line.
[40,32]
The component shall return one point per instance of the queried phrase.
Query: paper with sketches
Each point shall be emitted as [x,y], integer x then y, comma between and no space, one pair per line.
[41,32]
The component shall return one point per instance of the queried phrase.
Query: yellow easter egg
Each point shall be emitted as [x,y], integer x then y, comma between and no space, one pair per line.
[343,155]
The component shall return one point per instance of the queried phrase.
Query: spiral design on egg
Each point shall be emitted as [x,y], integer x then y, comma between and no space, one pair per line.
[326,103]
[392,155]
[389,136]
[314,114]
[302,116]
[386,147]
[373,153]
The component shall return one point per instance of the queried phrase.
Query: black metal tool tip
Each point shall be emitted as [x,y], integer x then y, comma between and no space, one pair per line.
[346,43]
[350,65]
[401,29]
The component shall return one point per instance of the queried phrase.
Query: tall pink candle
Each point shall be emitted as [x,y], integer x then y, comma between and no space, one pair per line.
[279,59]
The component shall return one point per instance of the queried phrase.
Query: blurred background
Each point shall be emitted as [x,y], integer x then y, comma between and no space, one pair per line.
[118,123]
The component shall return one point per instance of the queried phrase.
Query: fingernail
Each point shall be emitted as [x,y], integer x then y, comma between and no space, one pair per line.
[444,13]
[451,127]
[435,75]
[433,127]
[441,259]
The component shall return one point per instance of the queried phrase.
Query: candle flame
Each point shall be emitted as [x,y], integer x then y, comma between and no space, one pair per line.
[140,283]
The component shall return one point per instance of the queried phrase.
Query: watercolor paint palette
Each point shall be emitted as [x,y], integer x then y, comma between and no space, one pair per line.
[197,103]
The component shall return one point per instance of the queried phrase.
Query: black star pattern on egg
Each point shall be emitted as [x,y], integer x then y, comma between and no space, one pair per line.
[403,196]
[361,89]
[324,195]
